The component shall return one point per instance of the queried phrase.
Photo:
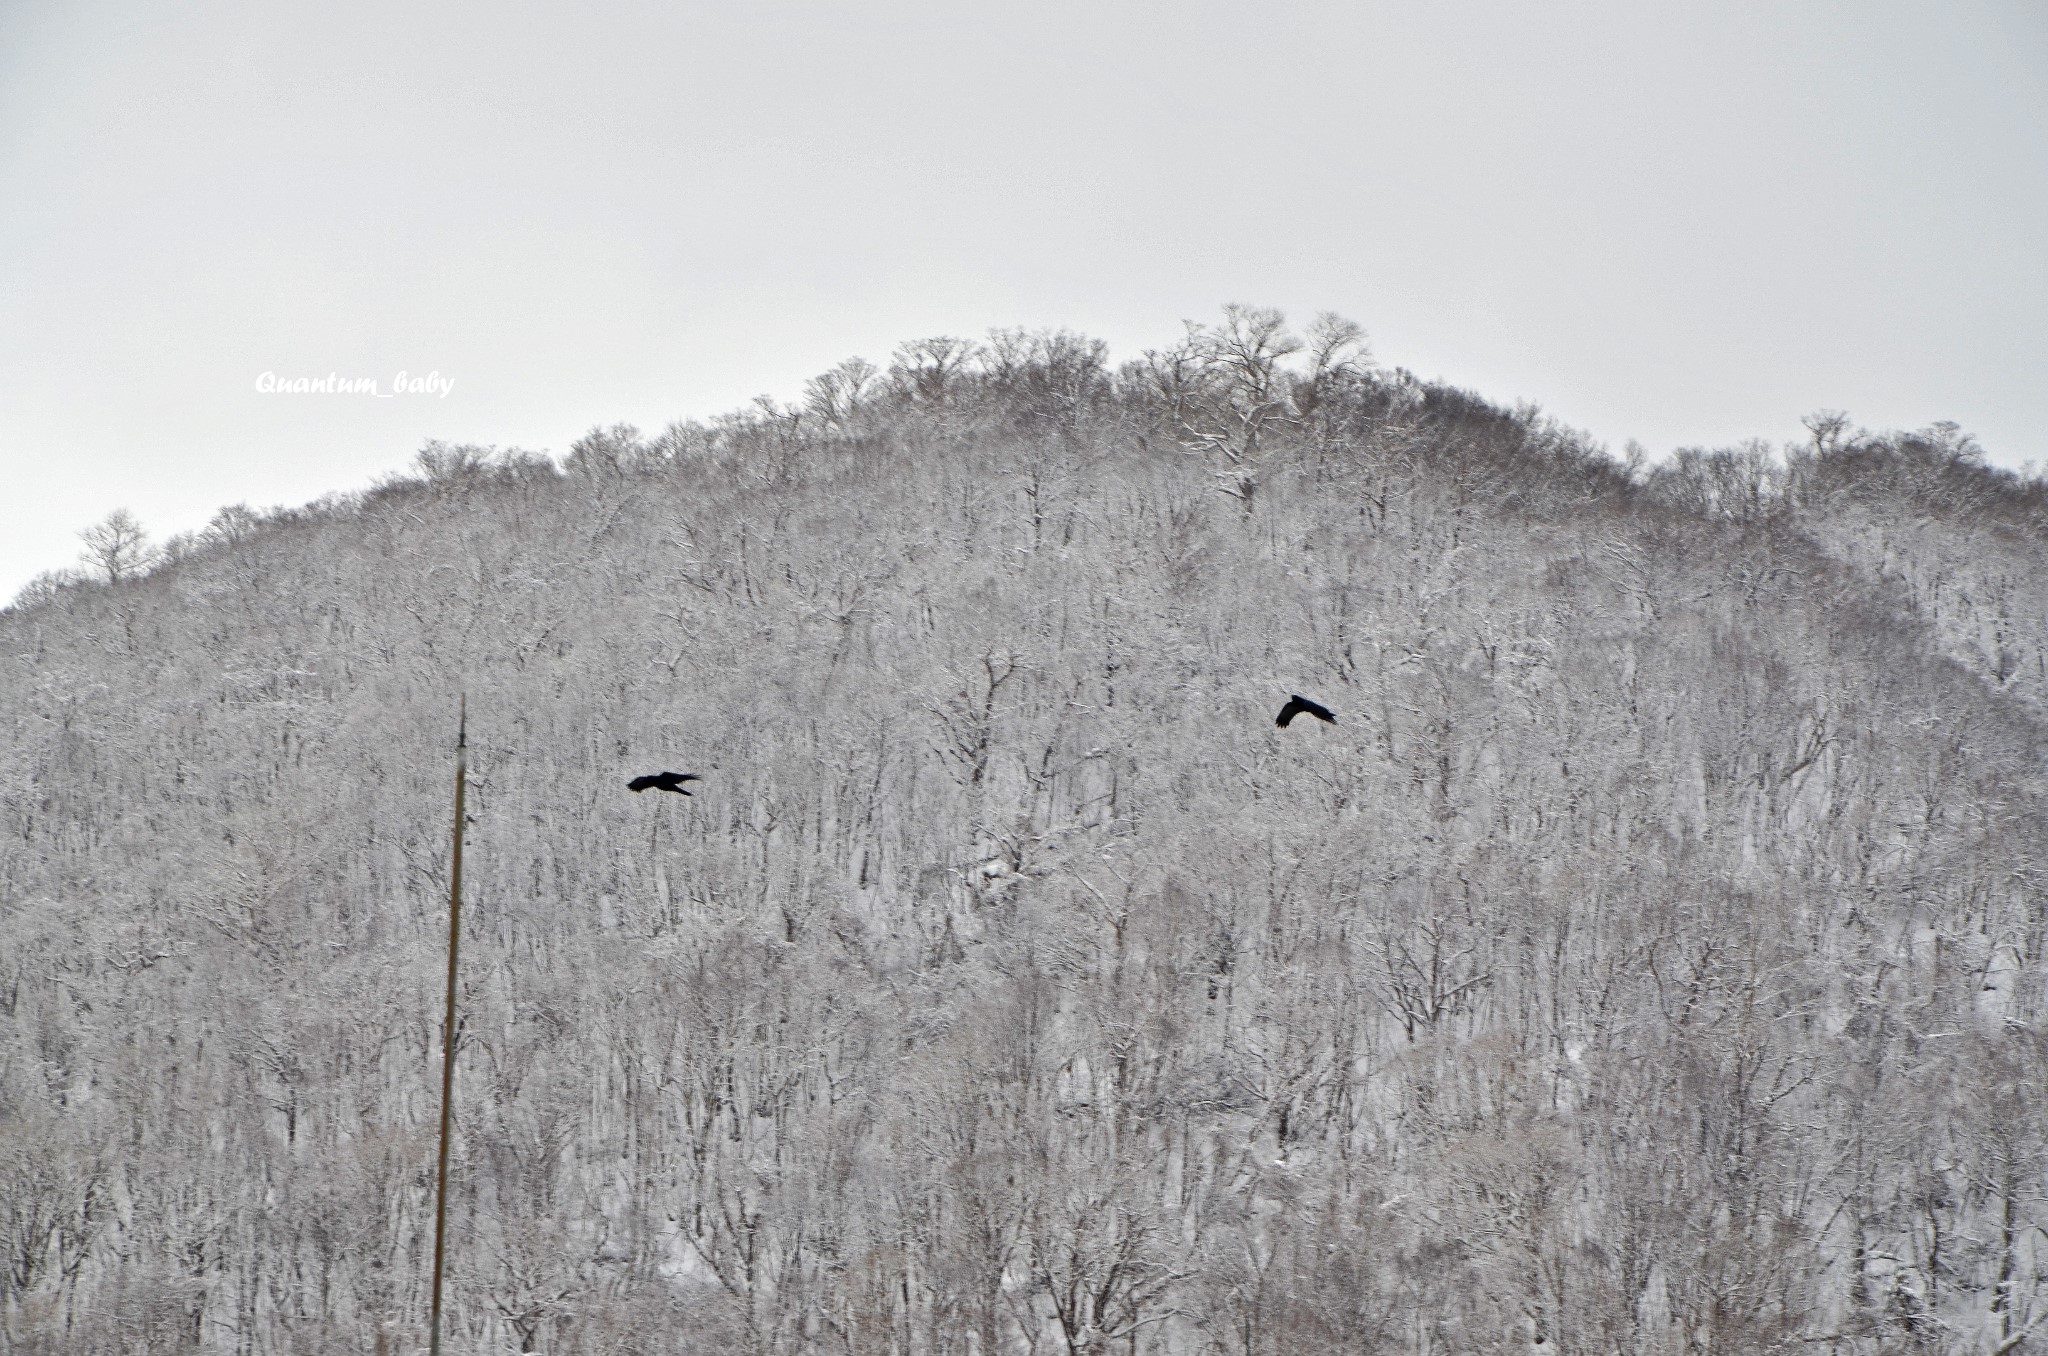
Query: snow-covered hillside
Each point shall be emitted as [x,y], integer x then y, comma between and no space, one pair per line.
[1650,958]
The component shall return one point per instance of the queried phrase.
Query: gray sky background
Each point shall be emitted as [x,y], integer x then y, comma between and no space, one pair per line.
[1685,223]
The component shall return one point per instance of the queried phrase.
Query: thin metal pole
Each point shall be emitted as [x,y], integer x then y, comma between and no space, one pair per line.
[448,1022]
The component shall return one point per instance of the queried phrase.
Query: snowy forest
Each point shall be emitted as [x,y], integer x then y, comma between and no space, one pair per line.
[1652,958]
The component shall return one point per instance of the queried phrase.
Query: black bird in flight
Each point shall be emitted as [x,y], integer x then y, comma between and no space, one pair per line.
[1298,706]
[664,781]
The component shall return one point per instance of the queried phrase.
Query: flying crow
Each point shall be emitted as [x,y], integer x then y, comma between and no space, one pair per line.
[664,781]
[1299,705]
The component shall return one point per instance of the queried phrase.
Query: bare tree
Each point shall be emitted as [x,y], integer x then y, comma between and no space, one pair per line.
[833,396]
[445,463]
[118,546]
[1337,353]
[927,370]
[233,525]
[1248,390]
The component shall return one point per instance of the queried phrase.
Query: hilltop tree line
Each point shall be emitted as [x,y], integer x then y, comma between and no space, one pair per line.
[1650,959]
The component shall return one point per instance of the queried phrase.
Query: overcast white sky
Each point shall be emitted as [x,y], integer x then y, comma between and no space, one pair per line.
[1681,223]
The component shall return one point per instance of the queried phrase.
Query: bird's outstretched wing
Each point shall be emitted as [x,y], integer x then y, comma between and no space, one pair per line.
[1298,705]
